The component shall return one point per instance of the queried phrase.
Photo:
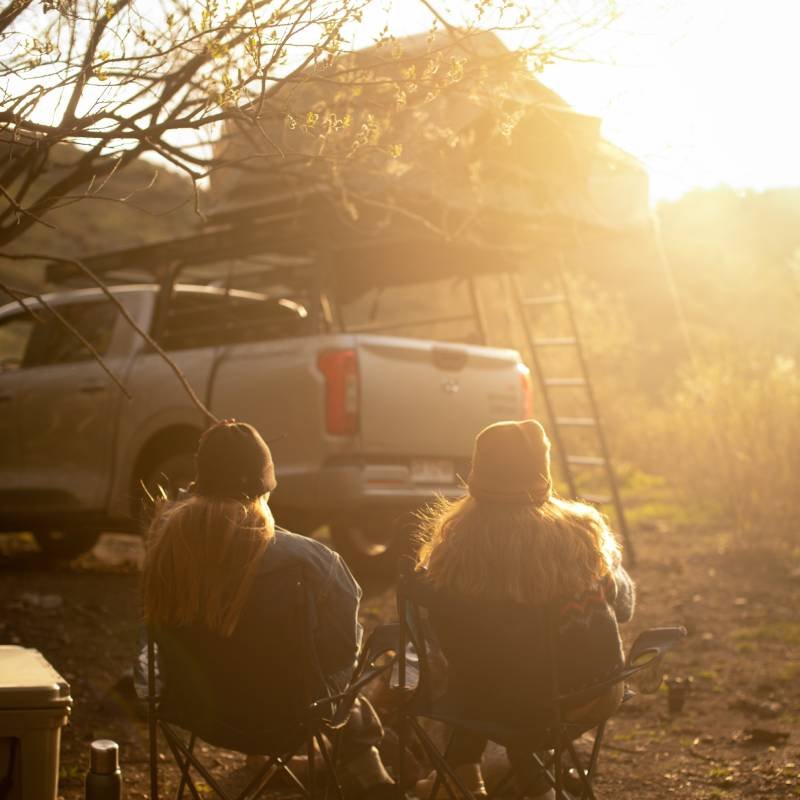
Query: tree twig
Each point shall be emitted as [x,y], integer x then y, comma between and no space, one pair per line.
[19,297]
[21,210]
[72,329]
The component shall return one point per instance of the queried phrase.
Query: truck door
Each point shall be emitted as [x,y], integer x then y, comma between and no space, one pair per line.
[266,374]
[67,409]
[15,333]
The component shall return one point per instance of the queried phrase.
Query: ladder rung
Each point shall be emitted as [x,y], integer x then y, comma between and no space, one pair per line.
[544,300]
[556,341]
[597,499]
[576,422]
[586,461]
[564,382]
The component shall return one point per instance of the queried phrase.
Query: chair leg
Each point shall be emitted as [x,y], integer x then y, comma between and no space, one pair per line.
[176,744]
[312,783]
[152,728]
[184,764]
[440,764]
[184,775]
[548,769]
[598,740]
[259,781]
[438,779]
[558,772]
[283,766]
[583,774]
[330,767]
[336,746]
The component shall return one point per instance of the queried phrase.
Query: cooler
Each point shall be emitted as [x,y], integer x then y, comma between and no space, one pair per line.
[34,705]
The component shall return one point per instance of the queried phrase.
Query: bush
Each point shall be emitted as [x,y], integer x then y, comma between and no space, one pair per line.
[732,439]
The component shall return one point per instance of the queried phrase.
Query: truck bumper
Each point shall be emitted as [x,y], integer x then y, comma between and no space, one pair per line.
[366,486]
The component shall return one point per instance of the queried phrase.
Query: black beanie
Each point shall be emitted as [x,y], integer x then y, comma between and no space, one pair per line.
[234,461]
[511,464]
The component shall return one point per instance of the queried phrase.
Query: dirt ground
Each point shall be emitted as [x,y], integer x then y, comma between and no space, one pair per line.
[738,735]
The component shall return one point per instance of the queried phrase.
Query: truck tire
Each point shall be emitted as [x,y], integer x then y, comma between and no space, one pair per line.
[66,545]
[169,473]
[372,542]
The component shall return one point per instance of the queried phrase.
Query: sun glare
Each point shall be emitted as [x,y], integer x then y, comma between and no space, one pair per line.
[702,92]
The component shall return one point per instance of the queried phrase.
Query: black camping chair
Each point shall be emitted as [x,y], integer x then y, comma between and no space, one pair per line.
[493,670]
[266,698]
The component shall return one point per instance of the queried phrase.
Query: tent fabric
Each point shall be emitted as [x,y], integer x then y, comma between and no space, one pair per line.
[494,141]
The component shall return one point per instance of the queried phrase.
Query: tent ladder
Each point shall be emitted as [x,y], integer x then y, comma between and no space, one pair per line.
[554,389]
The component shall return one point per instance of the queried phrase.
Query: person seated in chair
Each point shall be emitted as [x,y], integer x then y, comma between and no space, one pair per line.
[513,540]
[216,572]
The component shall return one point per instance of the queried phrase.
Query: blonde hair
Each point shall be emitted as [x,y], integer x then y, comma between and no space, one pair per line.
[202,556]
[527,554]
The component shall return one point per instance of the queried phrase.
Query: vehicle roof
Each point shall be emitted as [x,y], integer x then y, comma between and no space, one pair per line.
[85,295]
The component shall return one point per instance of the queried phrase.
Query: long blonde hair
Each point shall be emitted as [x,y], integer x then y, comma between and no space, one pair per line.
[202,556]
[528,554]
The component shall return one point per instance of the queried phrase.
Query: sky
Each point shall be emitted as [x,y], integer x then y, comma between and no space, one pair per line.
[703,92]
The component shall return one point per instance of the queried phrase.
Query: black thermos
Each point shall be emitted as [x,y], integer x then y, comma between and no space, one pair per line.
[104,780]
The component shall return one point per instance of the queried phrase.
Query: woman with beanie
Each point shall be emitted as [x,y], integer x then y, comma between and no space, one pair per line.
[513,540]
[217,567]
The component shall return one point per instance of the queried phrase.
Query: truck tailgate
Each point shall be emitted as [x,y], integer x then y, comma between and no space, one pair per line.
[420,398]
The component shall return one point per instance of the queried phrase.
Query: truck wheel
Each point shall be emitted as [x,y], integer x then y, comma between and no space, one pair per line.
[66,545]
[168,473]
[372,542]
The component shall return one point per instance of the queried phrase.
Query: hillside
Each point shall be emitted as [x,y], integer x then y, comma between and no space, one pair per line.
[142,203]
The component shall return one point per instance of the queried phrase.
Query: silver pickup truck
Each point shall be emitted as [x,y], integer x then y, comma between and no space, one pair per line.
[364,427]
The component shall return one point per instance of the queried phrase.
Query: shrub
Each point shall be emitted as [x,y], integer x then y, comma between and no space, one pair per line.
[732,438]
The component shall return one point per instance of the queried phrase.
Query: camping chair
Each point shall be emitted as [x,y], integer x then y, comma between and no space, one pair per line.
[269,707]
[502,659]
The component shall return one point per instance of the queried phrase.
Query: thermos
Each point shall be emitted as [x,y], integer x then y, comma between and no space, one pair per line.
[104,779]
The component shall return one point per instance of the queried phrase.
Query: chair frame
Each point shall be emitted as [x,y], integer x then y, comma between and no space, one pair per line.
[569,780]
[324,718]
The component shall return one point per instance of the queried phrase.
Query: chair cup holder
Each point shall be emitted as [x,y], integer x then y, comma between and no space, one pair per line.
[650,676]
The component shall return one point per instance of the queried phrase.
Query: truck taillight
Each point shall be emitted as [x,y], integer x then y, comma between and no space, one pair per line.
[527,390]
[340,368]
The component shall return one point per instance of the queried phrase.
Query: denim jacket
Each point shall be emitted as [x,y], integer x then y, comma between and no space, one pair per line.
[334,596]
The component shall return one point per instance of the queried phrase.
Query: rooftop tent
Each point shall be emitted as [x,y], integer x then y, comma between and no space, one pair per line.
[483,151]
[461,197]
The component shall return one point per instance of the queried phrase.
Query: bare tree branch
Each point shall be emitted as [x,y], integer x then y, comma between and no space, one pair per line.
[20,210]
[19,297]
[16,294]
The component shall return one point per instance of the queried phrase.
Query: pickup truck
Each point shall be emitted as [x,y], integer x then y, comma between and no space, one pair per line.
[364,427]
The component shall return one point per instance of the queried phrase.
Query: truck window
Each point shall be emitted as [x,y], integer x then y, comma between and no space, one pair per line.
[15,332]
[51,343]
[216,318]
[439,310]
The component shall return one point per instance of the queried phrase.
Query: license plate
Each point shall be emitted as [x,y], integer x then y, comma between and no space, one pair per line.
[432,470]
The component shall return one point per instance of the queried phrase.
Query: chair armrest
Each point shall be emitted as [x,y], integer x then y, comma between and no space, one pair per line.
[645,660]
[383,640]
[647,652]
[353,688]
[651,644]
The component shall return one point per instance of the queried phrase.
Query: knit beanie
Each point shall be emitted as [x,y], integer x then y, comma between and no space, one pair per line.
[511,464]
[234,461]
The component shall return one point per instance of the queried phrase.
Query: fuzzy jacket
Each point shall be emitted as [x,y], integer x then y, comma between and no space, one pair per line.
[590,649]
[499,664]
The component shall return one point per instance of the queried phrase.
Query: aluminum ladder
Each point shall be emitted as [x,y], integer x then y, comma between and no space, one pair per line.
[552,388]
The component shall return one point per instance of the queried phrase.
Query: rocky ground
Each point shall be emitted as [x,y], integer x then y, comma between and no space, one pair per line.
[737,735]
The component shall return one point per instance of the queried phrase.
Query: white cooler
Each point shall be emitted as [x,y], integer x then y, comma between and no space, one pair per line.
[34,705]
